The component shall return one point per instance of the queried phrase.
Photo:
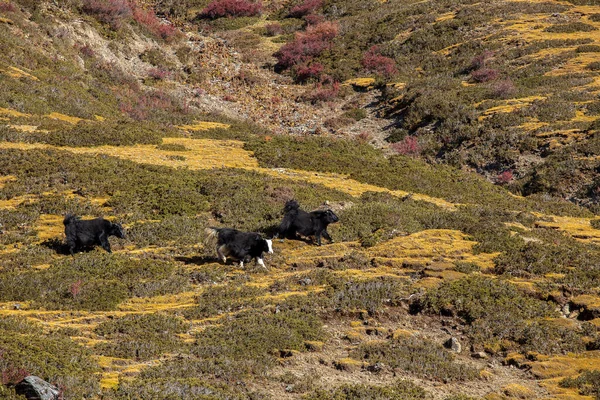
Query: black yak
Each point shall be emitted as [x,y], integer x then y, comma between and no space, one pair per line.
[240,246]
[305,223]
[84,233]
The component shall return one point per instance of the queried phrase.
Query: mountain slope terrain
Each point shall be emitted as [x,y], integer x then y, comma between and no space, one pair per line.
[454,139]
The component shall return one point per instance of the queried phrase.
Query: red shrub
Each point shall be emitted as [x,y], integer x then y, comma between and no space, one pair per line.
[75,288]
[231,8]
[274,29]
[323,93]
[484,75]
[374,62]
[9,374]
[481,60]
[7,7]
[314,19]
[139,105]
[505,177]
[112,12]
[409,146]
[158,73]
[305,72]
[229,97]
[86,50]
[149,20]
[364,137]
[305,8]
[503,89]
[307,45]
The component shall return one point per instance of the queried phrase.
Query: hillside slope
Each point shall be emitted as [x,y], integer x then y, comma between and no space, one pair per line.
[170,131]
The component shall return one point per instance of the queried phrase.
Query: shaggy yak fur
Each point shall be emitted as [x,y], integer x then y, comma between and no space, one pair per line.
[305,223]
[86,233]
[241,246]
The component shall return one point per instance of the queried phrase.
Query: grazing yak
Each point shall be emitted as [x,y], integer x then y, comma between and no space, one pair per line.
[85,233]
[241,246]
[313,223]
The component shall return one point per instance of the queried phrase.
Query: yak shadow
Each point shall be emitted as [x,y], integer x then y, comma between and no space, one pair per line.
[197,260]
[62,248]
[57,246]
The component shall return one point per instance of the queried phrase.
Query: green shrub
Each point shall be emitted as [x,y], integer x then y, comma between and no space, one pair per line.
[191,388]
[571,27]
[55,359]
[399,390]
[422,358]
[588,383]
[370,295]
[225,299]
[588,48]
[474,297]
[593,66]
[91,281]
[141,337]
[356,114]
[256,337]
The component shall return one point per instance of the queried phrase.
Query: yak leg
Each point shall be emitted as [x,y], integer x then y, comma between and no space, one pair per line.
[104,242]
[220,254]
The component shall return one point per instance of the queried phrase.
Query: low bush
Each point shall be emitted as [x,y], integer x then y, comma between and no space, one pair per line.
[422,358]
[370,295]
[570,27]
[25,350]
[216,300]
[588,383]
[111,12]
[306,45]
[252,340]
[231,8]
[588,48]
[399,390]
[91,281]
[305,7]
[141,337]
[374,61]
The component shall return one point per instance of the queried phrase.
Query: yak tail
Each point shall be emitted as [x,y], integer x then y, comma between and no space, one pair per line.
[290,212]
[70,218]
[211,236]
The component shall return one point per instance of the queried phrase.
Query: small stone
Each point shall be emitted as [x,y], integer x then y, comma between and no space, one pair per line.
[482,355]
[16,306]
[453,344]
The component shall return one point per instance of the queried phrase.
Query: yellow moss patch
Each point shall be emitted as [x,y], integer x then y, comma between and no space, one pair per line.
[17,73]
[402,333]
[12,113]
[445,16]
[6,21]
[348,364]
[518,391]
[422,247]
[579,228]
[109,380]
[5,179]
[49,226]
[510,106]
[158,303]
[99,118]
[65,118]
[563,366]
[587,301]
[362,83]
[204,126]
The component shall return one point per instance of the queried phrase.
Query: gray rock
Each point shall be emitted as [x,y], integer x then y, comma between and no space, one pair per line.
[35,388]
[480,354]
[453,344]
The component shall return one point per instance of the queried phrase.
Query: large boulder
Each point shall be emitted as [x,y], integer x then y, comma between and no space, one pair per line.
[35,388]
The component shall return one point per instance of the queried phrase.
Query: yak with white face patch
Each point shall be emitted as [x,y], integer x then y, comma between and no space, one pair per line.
[238,245]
